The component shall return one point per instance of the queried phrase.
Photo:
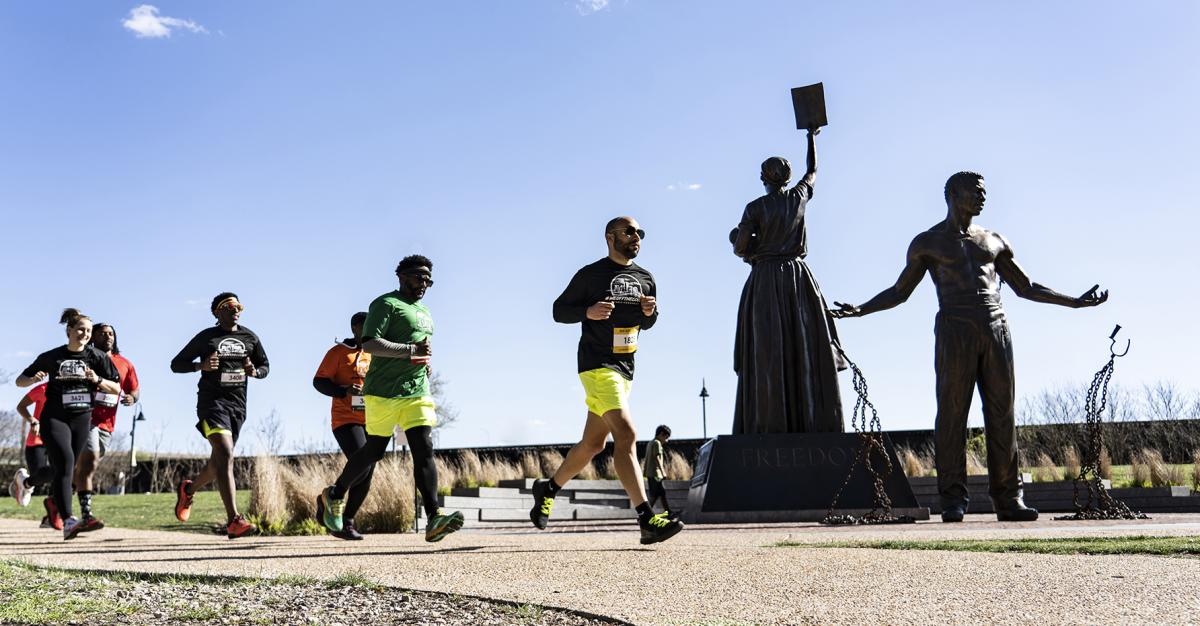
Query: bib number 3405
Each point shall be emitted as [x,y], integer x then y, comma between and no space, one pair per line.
[625,340]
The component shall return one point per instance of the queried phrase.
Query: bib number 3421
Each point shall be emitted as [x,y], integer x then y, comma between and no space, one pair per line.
[625,340]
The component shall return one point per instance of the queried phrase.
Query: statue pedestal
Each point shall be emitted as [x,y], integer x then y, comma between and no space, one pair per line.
[788,478]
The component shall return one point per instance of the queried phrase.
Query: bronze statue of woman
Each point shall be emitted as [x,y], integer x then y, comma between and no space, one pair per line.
[783,355]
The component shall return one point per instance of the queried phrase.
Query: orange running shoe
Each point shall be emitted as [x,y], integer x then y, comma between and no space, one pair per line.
[52,517]
[239,527]
[183,502]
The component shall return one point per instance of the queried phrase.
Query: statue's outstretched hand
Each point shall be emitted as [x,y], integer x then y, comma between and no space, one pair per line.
[845,310]
[1092,297]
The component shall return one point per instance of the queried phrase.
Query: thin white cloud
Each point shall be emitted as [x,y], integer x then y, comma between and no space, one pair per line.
[23,353]
[145,23]
[191,302]
[587,7]
[683,186]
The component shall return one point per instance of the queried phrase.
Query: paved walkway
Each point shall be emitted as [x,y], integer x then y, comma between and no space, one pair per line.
[708,574]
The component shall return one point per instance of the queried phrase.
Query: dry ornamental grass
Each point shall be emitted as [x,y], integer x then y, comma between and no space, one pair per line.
[530,466]
[975,466]
[283,497]
[677,467]
[1196,470]
[550,460]
[1071,463]
[1045,471]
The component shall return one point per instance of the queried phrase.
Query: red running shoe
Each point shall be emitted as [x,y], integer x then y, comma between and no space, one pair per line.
[90,523]
[183,502]
[239,527]
[52,517]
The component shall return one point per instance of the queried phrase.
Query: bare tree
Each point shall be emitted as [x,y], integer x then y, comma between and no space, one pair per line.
[12,429]
[271,433]
[447,415]
[1165,401]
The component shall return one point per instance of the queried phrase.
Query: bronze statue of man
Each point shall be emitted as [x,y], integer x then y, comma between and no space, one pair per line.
[783,354]
[973,346]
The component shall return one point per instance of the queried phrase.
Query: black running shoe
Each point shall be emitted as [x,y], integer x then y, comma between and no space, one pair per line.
[659,528]
[348,532]
[543,502]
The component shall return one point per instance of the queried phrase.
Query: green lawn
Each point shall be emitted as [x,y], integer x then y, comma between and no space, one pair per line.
[151,511]
[1160,546]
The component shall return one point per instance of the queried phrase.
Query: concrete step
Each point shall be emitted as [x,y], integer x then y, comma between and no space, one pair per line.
[487,492]
[589,485]
[519,501]
[486,503]
[559,513]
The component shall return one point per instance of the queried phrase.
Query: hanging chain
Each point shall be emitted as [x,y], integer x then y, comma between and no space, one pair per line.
[870,439]
[1099,504]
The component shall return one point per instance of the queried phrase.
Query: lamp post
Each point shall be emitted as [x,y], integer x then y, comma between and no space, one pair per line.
[138,417]
[704,407]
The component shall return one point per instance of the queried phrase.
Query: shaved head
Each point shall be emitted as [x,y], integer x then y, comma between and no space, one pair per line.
[618,222]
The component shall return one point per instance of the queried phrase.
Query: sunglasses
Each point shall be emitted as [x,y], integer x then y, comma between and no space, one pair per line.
[630,231]
[427,281]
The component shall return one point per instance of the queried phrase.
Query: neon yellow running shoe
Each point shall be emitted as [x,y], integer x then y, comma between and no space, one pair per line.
[329,510]
[441,525]
[659,528]
[543,503]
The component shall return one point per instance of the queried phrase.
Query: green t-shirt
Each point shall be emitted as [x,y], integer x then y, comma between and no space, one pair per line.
[393,319]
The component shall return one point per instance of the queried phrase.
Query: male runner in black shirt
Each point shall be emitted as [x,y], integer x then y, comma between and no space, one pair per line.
[226,355]
[613,300]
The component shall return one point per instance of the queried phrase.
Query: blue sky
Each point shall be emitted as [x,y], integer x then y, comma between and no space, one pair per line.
[293,152]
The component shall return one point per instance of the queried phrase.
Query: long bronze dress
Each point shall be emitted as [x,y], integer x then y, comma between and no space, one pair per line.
[787,368]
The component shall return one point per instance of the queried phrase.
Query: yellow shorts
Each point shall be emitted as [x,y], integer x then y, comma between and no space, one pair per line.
[383,415]
[605,390]
[210,430]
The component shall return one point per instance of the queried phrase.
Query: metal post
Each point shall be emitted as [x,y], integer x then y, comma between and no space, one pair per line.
[137,417]
[704,407]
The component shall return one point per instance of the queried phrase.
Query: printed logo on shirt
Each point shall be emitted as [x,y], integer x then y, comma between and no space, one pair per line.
[625,288]
[72,369]
[422,322]
[231,348]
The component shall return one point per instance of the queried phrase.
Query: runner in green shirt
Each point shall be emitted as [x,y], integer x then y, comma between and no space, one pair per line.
[396,393]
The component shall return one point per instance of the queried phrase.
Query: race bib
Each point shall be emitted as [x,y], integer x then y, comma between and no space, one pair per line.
[625,340]
[106,399]
[233,378]
[358,403]
[76,399]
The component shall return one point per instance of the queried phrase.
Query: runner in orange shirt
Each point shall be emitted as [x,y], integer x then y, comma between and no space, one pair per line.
[340,377]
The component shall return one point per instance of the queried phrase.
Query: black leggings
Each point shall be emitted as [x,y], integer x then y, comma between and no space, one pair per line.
[351,438]
[420,441]
[35,459]
[64,441]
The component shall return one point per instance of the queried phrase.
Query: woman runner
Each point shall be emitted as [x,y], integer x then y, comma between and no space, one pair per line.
[73,373]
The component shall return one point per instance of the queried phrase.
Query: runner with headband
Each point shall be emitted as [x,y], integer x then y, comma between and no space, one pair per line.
[396,393]
[73,373]
[226,355]
[340,376]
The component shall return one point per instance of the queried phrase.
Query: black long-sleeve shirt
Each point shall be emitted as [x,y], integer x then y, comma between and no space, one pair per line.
[224,390]
[609,343]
